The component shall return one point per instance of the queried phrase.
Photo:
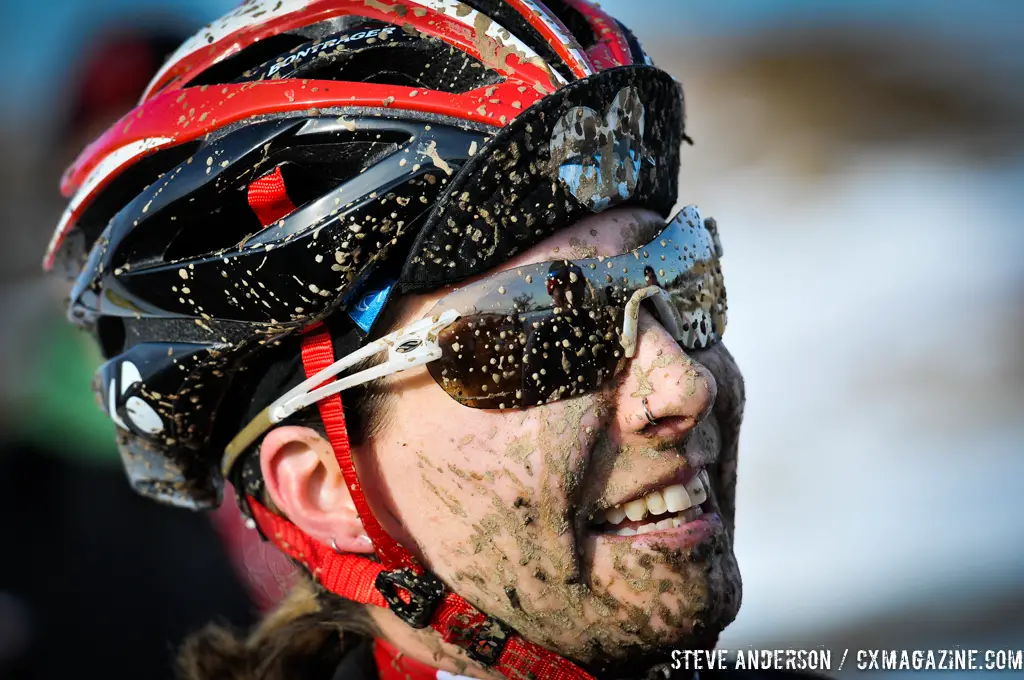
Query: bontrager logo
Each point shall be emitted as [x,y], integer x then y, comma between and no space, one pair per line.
[327,44]
[143,416]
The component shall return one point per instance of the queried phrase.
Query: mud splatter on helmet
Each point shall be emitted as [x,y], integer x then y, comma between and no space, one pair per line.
[295,154]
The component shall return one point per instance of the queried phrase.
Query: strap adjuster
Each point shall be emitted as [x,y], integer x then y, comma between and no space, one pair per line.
[483,640]
[426,592]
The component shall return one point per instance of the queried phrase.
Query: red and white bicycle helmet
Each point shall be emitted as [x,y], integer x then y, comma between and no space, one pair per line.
[295,162]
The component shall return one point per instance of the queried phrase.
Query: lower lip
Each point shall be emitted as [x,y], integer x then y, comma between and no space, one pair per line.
[688,535]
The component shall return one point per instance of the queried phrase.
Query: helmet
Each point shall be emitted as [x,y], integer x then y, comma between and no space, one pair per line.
[421,138]
[297,158]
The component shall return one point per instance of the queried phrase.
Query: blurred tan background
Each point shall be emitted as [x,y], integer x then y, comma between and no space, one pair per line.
[865,162]
[866,174]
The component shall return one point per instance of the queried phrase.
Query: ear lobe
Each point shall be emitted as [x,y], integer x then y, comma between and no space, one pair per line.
[304,481]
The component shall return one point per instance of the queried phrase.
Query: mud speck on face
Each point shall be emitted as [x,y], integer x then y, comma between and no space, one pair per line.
[513,597]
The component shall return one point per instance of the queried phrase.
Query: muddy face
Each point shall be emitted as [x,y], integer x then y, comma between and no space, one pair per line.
[516,510]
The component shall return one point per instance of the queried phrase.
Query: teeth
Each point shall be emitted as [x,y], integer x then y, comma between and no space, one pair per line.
[635,510]
[698,494]
[676,498]
[672,499]
[615,515]
[668,523]
[655,503]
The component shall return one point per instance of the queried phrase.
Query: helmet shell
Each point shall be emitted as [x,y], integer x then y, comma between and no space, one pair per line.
[420,142]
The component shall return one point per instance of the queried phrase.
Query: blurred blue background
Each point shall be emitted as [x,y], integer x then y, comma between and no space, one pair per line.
[865,161]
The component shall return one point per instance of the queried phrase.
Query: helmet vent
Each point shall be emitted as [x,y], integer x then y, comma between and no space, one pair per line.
[519,26]
[218,216]
[404,64]
[577,24]
[127,186]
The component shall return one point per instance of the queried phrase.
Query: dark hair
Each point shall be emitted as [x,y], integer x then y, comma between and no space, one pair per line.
[305,636]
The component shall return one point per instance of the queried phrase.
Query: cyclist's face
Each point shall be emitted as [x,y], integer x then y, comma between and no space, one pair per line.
[515,509]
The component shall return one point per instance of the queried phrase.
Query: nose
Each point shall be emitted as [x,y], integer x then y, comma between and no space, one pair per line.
[678,391]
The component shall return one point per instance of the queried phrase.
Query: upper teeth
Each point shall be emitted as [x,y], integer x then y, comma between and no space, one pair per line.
[674,498]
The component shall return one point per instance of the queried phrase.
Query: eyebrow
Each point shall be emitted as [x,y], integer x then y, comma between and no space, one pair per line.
[640,230]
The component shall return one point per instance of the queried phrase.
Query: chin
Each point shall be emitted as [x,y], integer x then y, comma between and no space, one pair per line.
[721,604]
[712,601]
[707,601]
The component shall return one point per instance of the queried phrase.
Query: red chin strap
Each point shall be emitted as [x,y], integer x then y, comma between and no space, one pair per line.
[392,664]
[398,581]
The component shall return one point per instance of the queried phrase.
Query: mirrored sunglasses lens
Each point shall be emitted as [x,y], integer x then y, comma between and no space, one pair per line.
[520,360]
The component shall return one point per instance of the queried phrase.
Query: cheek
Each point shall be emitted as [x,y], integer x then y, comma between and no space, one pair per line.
[448,465]
[475,487]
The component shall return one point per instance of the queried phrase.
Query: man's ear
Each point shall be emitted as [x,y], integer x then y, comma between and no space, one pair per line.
[303,479]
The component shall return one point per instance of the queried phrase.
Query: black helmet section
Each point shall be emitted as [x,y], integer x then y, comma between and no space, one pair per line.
[191,246]
[157,393]
[186,287]
[610,139]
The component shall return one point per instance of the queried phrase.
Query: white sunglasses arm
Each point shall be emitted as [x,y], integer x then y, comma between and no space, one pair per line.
[414,345]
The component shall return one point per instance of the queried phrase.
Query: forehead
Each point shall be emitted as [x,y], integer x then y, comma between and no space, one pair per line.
[609,233]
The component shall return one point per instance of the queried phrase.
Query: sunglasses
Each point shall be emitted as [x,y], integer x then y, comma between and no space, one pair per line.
[543,332]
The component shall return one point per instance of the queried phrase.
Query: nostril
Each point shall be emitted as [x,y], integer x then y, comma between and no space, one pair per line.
[677,390]
[668,428]
[676,403]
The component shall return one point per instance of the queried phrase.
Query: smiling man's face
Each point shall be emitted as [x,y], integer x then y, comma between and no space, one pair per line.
[521,511]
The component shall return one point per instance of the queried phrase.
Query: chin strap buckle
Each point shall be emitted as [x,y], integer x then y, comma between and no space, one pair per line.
[483,637]
[425,591]
[415,597]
